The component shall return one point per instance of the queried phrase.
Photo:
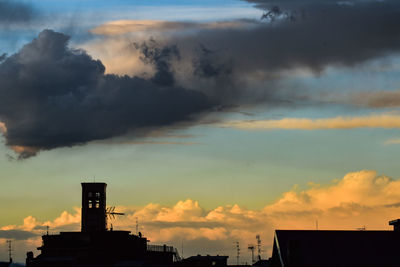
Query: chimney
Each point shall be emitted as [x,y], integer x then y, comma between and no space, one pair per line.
[396,225]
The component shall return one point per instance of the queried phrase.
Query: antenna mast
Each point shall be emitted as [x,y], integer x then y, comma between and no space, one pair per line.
[110,212]
[258,246]
[137,225]
[9,250]
[237,252]
[182,248]
[251,247]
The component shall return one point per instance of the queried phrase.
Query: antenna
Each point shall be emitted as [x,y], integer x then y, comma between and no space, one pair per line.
[237,252]
[110,213]
[251,247]
[182,248]
[137,225]
[316,224]
[47,230]
[9,250]
[258,246]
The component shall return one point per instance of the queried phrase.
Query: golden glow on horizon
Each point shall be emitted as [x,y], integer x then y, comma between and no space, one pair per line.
[357,199]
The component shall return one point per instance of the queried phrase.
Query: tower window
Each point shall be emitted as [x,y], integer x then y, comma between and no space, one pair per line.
[90,194]
[97,203]
[90,204]
[98,194]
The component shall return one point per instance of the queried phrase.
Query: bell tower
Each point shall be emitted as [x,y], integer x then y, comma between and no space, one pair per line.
[94,216]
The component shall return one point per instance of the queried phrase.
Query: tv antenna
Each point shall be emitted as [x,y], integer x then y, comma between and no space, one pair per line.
[110,213]
[237,252]
[137,225]
[251,247]
[9,250]
[182,248]
[258,246]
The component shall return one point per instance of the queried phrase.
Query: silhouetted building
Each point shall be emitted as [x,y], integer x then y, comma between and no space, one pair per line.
[94,217]
[316,248]
[95,245]
[262,263]
[204,261]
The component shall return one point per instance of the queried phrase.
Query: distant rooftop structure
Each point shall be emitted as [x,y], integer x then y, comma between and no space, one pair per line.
[205,261]
[396,225]
[96,245]
[317,248]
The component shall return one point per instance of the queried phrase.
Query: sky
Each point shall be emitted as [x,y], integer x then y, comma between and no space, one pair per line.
[210,121]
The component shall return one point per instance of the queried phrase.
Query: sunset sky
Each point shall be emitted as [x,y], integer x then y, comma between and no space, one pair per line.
[210,121]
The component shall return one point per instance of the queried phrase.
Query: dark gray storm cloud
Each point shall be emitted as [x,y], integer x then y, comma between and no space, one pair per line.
[53,96]
[245,63]
[15,12]
[325,34]
[16,234]
[161,59]
[3,57]
[207,64]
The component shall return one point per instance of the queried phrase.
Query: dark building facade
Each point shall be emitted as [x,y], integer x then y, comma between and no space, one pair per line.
[316,248]
[204,261]
[94,217]
[95,245]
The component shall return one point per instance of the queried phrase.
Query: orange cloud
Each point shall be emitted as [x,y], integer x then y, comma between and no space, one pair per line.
[358,199]
[3,128]
[372,121]
[24,151]
[120,27]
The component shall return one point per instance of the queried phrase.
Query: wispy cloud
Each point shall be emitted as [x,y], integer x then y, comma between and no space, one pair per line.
[153,142]
[120,27]
[372,121]
[392,141]
[381,99]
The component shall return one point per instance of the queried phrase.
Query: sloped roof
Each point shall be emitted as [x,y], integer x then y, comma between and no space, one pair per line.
[313,248]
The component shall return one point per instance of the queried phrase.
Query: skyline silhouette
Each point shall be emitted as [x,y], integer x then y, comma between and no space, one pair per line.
[214,121]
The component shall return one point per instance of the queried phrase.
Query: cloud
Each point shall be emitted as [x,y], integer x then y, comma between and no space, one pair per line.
[373,121]
[121,27]
[245,66]
[16,234]
[54,96]
[3,128]
[358,199]
[15,12]
[392,142]
[153,142]
[382,99]
[64,97]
